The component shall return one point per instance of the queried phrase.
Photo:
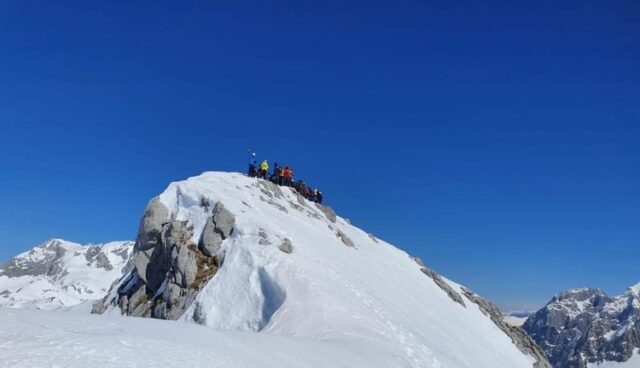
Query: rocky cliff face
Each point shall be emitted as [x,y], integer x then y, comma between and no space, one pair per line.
[237,253]
[59,274]
[582,326]
[517,335]
[169,268]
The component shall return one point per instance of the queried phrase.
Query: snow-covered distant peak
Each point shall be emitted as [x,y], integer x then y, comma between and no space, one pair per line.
[635,290]
[585,325]
[60,273]
[580,294]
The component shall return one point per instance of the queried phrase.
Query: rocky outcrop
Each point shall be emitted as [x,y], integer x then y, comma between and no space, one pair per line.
[519,337]
[418,260]
[95,256]
[218,228]
[328,212]
[442,284]
[270,189]
[345,239]
[582,326]
[168,267]
[286,246]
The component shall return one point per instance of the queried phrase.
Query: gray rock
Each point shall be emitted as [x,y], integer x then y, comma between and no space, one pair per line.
[91,253]
[211,239]
[286,246]
[140,260]
[522,341]
[264,238]
[168,268]
[149,233]
[218,228]
[418,260]
[204,203]
[102,261]
[269,189]
[159,311]
[185,266]
[345,239]
[199,315]
[223,219]
[443,285]
[136,304]
[328,212]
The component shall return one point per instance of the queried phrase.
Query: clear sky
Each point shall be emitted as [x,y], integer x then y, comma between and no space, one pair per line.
[499,141]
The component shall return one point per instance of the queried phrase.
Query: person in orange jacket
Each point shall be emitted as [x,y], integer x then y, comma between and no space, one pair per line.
[288,175]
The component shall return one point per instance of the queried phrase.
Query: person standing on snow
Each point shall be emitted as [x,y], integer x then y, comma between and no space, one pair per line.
[276,173]
[286,173]
[291,177]
[264,167]
[252,164]
[280,175]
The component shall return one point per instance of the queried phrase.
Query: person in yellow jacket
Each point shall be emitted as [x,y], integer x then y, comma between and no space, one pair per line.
[264,167]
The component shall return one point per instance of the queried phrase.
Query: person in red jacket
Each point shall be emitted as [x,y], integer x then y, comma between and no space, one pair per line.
[288,175]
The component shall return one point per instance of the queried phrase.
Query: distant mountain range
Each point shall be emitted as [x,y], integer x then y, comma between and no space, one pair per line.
[60,274]
[582,327]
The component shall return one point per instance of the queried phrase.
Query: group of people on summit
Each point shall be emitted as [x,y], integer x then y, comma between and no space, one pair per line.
[283,176]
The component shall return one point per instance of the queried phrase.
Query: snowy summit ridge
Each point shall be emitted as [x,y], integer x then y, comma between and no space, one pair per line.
[238,253]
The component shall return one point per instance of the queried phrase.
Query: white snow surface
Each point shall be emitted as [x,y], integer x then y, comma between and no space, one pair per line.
[633,362]
[368,305]
[30,339]
[63,280]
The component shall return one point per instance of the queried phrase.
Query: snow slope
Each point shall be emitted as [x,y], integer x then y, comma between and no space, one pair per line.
[59,273]
[30,339]
[339,287]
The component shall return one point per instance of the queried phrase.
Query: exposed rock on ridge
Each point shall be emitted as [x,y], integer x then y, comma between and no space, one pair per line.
[168,267]
[519,337]
[443,285]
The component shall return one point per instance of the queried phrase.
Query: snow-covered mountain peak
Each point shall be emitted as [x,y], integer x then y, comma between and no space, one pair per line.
[583,326]
[239,253]
[580,294]
[59,273]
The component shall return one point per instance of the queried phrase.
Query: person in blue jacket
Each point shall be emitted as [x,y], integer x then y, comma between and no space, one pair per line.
[252,164]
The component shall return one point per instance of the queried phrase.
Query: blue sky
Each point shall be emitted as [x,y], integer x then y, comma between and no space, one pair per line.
[499,141]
